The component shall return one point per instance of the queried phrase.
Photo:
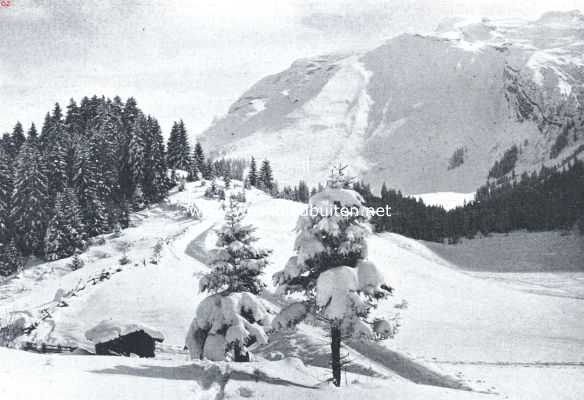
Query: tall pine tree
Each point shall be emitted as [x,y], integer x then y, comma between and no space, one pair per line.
[88,183]
[155,183]
[65,233]
[18,138]
[6,189]
[199,161]
[30,200]
[266,178]
[252,175]
[178,149]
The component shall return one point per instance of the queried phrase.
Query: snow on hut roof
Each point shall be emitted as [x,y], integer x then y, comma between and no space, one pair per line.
[109,330]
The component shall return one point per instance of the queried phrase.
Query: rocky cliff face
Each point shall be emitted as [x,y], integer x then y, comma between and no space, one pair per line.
[422,113]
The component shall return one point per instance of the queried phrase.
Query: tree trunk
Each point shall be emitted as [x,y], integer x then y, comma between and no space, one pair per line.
[336,353]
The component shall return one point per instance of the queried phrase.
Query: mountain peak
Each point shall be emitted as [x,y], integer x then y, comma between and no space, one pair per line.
[401,112]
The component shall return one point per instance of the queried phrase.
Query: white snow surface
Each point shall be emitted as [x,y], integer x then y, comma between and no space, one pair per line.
[499,338]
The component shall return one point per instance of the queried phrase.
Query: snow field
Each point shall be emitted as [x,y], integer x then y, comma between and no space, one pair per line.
[486,334]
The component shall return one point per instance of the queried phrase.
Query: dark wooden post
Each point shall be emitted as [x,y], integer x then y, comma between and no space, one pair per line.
[336,352]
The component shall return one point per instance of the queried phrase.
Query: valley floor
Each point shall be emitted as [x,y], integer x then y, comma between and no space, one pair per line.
[464,335]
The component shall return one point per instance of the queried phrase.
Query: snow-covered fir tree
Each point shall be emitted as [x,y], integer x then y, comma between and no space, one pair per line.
[32,133]
[65,233]
[266,178]
[73,119]
[155,184]
[331,270]
[30,200]
[18,138]
[88,149]
[136,152]
[232,317]
[252,175]
[6,189]
[88,181]
[198,161]
[178,149]
[129,113]
[105,148]
[57,149]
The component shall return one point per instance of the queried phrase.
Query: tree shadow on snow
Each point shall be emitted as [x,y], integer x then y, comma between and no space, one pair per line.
[205,375]
[310,351]
[405,367]
[316,353]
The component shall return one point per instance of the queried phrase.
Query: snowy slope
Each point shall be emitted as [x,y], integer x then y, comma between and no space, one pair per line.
[483,333]
[397,113]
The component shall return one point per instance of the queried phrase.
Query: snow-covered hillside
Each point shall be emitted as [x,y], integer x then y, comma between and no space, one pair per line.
[399,113]
[462,337]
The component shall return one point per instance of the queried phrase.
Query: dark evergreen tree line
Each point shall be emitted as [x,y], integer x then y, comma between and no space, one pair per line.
[77,178]
[548,200]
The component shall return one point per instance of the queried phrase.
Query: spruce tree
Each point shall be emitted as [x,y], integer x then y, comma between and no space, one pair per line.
[57,116]
[136,152]
[234,281]
[302,193]
[199,160]
[330,269]
[184,161]
[105,149]
[88,183]
[65,233]
[266,179]
[18,138]
[252,175]
[46,130]
[32,133]
[6,189]
[57,148]
[7,146]
[30,200]
[73,120]
[172,147]
[155,172]
[129,115]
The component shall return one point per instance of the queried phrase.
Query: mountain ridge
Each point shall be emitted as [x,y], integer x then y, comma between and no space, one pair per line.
[399,112]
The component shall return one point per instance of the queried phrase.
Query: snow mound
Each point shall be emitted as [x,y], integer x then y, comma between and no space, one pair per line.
[109,330]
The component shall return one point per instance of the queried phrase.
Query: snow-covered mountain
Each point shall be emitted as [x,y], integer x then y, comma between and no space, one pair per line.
[424,113]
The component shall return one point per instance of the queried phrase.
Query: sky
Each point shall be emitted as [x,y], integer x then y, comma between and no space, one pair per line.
[190,59]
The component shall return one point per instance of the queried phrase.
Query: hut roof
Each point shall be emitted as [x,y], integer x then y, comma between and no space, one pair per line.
[109,330]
